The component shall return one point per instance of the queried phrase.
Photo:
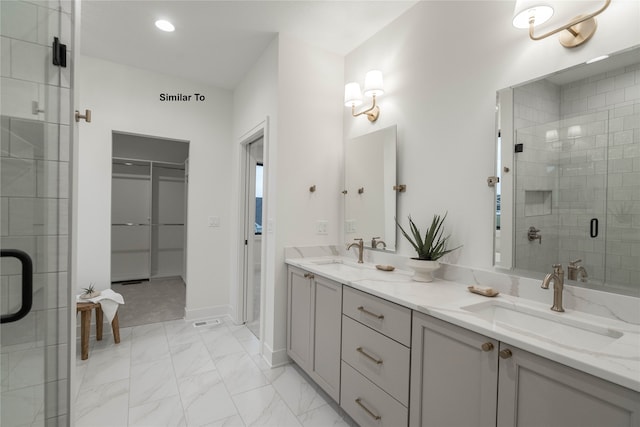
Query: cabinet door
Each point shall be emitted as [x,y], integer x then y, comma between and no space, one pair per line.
[299,317]
[454,375]
[535,391]
[326,335]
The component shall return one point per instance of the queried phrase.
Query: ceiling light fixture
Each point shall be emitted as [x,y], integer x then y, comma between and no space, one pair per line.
[373,87]
[530,13]
[165,25]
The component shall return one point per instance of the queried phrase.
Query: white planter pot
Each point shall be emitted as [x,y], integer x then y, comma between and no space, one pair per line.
[423,270]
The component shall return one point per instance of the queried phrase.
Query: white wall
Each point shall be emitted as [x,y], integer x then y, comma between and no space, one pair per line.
[126,99]
[443,62]
[300,88]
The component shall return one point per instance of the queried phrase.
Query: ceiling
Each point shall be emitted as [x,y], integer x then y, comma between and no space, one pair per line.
[217,42]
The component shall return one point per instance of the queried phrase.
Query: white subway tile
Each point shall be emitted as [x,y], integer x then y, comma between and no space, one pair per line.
[19,20]
[28,61]
[18,96]
[18,177]
[5,63]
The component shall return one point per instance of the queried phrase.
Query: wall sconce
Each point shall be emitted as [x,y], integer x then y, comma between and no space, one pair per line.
[529,13]
[372,87]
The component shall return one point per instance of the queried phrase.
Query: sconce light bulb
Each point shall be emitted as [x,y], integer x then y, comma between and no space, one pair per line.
[165,25]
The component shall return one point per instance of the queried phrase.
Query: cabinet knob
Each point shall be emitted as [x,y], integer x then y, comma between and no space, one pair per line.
[308,276]
[505,354]
[488,346]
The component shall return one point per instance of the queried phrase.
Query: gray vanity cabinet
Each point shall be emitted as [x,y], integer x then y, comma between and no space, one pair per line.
[454,375]
[534,391]
[314,310]
[461,378]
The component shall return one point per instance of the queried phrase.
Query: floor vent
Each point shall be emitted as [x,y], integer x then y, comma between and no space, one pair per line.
[202,323]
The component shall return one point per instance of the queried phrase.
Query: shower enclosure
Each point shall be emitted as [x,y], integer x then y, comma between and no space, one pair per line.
[35,166]
[577,197]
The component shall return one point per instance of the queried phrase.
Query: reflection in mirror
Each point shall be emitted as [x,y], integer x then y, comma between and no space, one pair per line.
[571,145]
[370,200]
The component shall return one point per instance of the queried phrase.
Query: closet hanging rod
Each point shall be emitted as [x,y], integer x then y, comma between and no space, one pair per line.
[131,224]
[126,159]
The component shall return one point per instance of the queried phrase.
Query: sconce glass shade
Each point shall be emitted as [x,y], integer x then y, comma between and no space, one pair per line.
[524,9]
[352,94]
[373,85]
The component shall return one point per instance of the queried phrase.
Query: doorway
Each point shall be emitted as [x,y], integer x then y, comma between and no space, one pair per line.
[253,221]
[148,223]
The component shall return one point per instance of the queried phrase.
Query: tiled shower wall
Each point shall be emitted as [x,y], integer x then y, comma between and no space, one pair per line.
[535,104]
[593,152]
[35,136]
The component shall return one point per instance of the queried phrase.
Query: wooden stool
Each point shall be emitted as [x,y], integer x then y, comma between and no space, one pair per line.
[84,308]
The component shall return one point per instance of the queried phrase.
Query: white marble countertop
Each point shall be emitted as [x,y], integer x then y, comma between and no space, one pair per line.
[613,356]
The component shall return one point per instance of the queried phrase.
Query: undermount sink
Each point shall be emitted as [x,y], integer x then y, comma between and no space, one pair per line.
[558,327]
[337,264]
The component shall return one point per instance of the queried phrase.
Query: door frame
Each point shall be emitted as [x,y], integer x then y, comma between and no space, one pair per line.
[259,131]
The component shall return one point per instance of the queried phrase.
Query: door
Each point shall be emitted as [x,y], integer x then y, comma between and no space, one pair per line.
[253,233]
[35,187]
[450,365]
[130,220]
[534,391]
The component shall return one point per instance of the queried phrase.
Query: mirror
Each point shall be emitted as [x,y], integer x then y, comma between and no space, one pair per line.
[370,199]
[569,166]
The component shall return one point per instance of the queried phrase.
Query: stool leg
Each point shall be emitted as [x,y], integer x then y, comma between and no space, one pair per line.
[99,321]
[85,325]
[115,326]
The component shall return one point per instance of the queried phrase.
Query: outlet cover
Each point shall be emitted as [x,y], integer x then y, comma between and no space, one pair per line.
[322,227]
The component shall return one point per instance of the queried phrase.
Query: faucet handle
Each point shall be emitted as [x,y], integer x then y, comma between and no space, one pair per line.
[557,268]
[358,239]
[575,263]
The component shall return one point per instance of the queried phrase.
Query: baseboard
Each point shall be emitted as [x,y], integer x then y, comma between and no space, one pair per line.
[204,313]
[274,358]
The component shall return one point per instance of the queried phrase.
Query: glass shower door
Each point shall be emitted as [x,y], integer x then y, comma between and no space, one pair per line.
[34,189]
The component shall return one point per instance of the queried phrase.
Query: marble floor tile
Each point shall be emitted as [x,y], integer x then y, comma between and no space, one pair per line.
[106,367]
[264,407]
[240,373]
[297,392]
[172,374]
[149,348]
[152,381]
[221,342]
[165,412]
[205,399]
[324,416]
[103,405]
[234,421]
[191,359]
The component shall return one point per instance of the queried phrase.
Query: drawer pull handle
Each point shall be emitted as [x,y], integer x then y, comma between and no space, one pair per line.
[308,276]
[505,354]
[367,410]
[368,356]
[365,311]
[487,346]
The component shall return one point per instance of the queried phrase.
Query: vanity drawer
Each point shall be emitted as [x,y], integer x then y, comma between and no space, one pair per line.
[386,317]
[382,360]
[364,402]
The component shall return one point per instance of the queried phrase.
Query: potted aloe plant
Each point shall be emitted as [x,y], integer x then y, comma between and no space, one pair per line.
[429,248]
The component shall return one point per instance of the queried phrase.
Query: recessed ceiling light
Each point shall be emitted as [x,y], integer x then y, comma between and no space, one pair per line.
[596,59]
[165,25]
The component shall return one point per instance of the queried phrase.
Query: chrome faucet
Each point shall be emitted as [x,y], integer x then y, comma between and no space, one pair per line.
[558,285]
[375,242]
[360,246]
[574,270]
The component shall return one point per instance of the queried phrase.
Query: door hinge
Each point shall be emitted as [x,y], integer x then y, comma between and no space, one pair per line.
[59,53]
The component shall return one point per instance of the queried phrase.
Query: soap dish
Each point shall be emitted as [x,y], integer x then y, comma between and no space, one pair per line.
[385,267]
[487,292]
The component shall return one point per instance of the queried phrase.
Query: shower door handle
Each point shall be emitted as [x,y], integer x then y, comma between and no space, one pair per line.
[593,227]
[27,285]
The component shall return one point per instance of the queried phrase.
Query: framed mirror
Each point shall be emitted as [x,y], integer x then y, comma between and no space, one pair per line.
[370,198]
[568,158]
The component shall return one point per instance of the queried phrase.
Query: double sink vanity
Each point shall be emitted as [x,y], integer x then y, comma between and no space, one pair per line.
[394,352]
